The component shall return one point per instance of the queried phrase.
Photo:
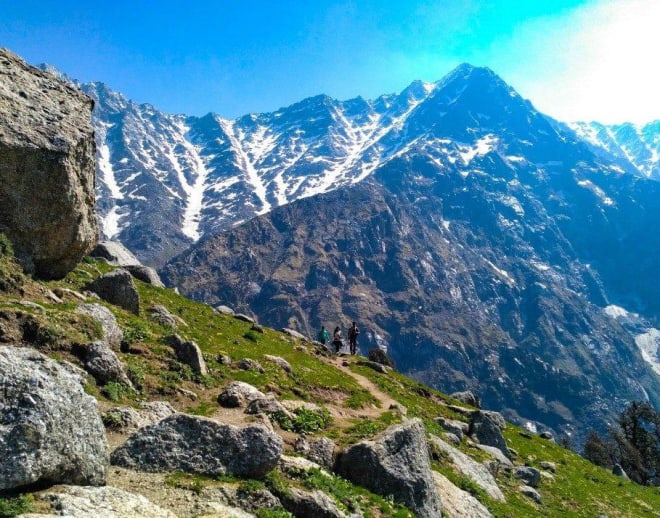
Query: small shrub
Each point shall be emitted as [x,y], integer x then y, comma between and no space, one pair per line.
[10,507]
[251,335]
[135,332]
[278,512]
[305,420]
[6,248]
[116,391]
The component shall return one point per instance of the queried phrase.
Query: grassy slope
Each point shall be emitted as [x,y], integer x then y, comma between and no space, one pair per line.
[578,488]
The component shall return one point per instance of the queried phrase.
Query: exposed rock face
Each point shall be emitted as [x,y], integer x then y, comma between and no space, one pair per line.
[395,463]
[487,428]
[103,502]
[118,288]
[457,503]
[112,333]
[198,445]
[115,253]
[468,467]
[50,431]
[320,450]
[47,171]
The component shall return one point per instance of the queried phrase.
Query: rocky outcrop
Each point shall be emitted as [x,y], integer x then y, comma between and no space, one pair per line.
[395,463]
[145,274]
[102,363]
[470,468]
[310,503]
[46,169]
[486,427]
[198,445]
[457,503]
[320,450]
[162,315]
[467,397]
[102,502]
[51,431]
[112,333]
[115,253]
[279,361]
[530,476]
[118,288]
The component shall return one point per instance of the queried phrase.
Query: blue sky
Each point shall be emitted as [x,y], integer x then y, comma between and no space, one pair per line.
[574,59]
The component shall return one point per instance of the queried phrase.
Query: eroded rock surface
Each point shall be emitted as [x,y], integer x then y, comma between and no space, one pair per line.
[46,168]
[50,431]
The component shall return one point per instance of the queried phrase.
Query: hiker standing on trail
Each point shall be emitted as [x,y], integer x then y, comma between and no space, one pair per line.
[336,339]
[353,333]
[323,336]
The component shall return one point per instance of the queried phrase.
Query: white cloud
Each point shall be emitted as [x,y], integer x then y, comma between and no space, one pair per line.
[597,62]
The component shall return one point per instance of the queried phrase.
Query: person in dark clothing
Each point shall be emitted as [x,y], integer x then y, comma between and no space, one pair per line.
[353,333]
[337,340]
[323,336]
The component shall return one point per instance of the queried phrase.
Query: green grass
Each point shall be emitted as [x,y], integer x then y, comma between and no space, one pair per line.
[13,506]
[304,420]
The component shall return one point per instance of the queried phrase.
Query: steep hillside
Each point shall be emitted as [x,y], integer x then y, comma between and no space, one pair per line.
[358,402]
[482,255]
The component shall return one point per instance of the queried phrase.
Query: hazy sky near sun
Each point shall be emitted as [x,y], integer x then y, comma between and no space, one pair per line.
[574,59]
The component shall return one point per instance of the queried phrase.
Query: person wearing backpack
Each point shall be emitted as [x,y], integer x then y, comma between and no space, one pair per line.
[323,335]
[353,333]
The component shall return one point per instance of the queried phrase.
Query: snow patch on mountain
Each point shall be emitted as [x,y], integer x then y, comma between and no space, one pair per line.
[649,346]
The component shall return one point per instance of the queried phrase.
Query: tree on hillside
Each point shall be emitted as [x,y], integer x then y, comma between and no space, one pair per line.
[634,442]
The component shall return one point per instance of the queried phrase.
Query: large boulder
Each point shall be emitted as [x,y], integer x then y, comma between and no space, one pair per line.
[128,418]
[239,394]
[395,463]
[317,504]
[115,253]
[145,274]
[486,427]
[50,430]
[198,445]
[112,333]
[47,174]
[457,503]
[189,353]
[102,363]
[469,468]
[117,287]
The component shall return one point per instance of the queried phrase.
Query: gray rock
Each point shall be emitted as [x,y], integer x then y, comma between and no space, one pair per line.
[619,471]
[248,501]
[244,318]
[378,367]
[297,465]
[294,334]
[395,463]
[198,445]
[114,253]
[47,173]
[112,333]
[224,310]
[497,454]
[161,315]
[257,328]
[452,438]
[102,363]
[467,397]
[117,287]
[530,476]
[486,427]
[189,353]
[532,493]
[549,466]
[128,418]
[239,394]
[267,405]
[50,431]
[547,435]
[248,364]
[310,504]
[457,503]
[279,361]
[320,450]
[145,274]
[466,466]
[103,502]
[458,428]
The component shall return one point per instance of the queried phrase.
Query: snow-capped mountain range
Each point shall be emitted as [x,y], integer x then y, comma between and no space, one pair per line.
[166,180]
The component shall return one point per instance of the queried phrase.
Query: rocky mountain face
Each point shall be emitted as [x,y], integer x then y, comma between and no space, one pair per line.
[481,253]
[635,147]
[47,203]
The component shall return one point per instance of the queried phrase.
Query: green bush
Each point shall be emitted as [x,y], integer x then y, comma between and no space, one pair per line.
[10,507]
[305,420]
